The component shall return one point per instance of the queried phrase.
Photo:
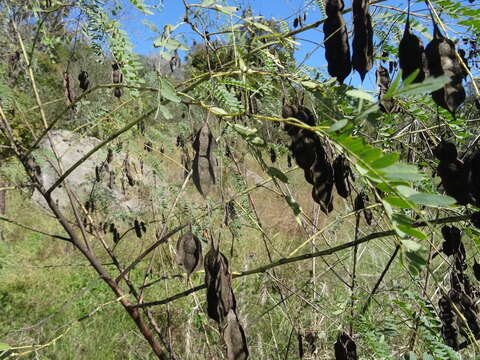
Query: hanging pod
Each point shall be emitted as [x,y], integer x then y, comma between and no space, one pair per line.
[345,347]
[234,337]
[218,280]
[83,79]
[448,330]
[117,78]
[411,54]
[204,164]
[383,82]
[322,173]
[442,60]
[337,49]
[342,173]
[362,44]
[68,88]
[188,252]
[453,173]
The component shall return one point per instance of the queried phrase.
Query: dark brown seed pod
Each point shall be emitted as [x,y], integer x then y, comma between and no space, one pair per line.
[83,79]
[337,49]
[362,44]
[361,201]
[295,22]
[453,172]
[218,280]
[128,171]
[143,226]
[468,309]
[342,173]
[447,317]
[323,179]
[234,337]
[273,155]
[452,244]
[109,156]
[289,161]
[411,54]
[476,269]
[68,88]
[189,253]
[442,60]
[148,146]
[117,78]
[138,229]
[98,177]
[383,82]
[204,164]
[304,146]
[345,348]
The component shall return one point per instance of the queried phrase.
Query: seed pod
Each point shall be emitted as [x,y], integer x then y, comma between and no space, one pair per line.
[322,174]
[337,49]
[117,78]
[362,44]
[304,146]
[189,253]
[98,174]
[447,316]
[138,230]
[360,203]
[128,172]
[143,226]
[442,60]
[411,53]
[342,172]
[218,280]
[345,348]
[289,161]
[295,22]
[383,82]
[273,155]
[234,337]
[148,146]
[68,88]
[109,156]
[453,173]
[204,163]
[468,309]
[83,78]
[452,244]
[476,269]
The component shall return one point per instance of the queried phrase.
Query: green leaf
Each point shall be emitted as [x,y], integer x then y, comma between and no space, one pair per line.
[168,91]
[228,10]
[4,346]
[406,229]
[165,112]
[297,210]
[397,202]
[217,111]
[385,161]
[432,199]
[243,130]
[255,140]
[411,245]
[277,173]
[338,125]
[360,95]
[403,172]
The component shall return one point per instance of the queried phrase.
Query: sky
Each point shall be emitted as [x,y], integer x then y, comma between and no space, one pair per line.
[309,51]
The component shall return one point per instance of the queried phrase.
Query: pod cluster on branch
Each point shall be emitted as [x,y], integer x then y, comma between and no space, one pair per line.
[462,295]
[310,155]
[337,49]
